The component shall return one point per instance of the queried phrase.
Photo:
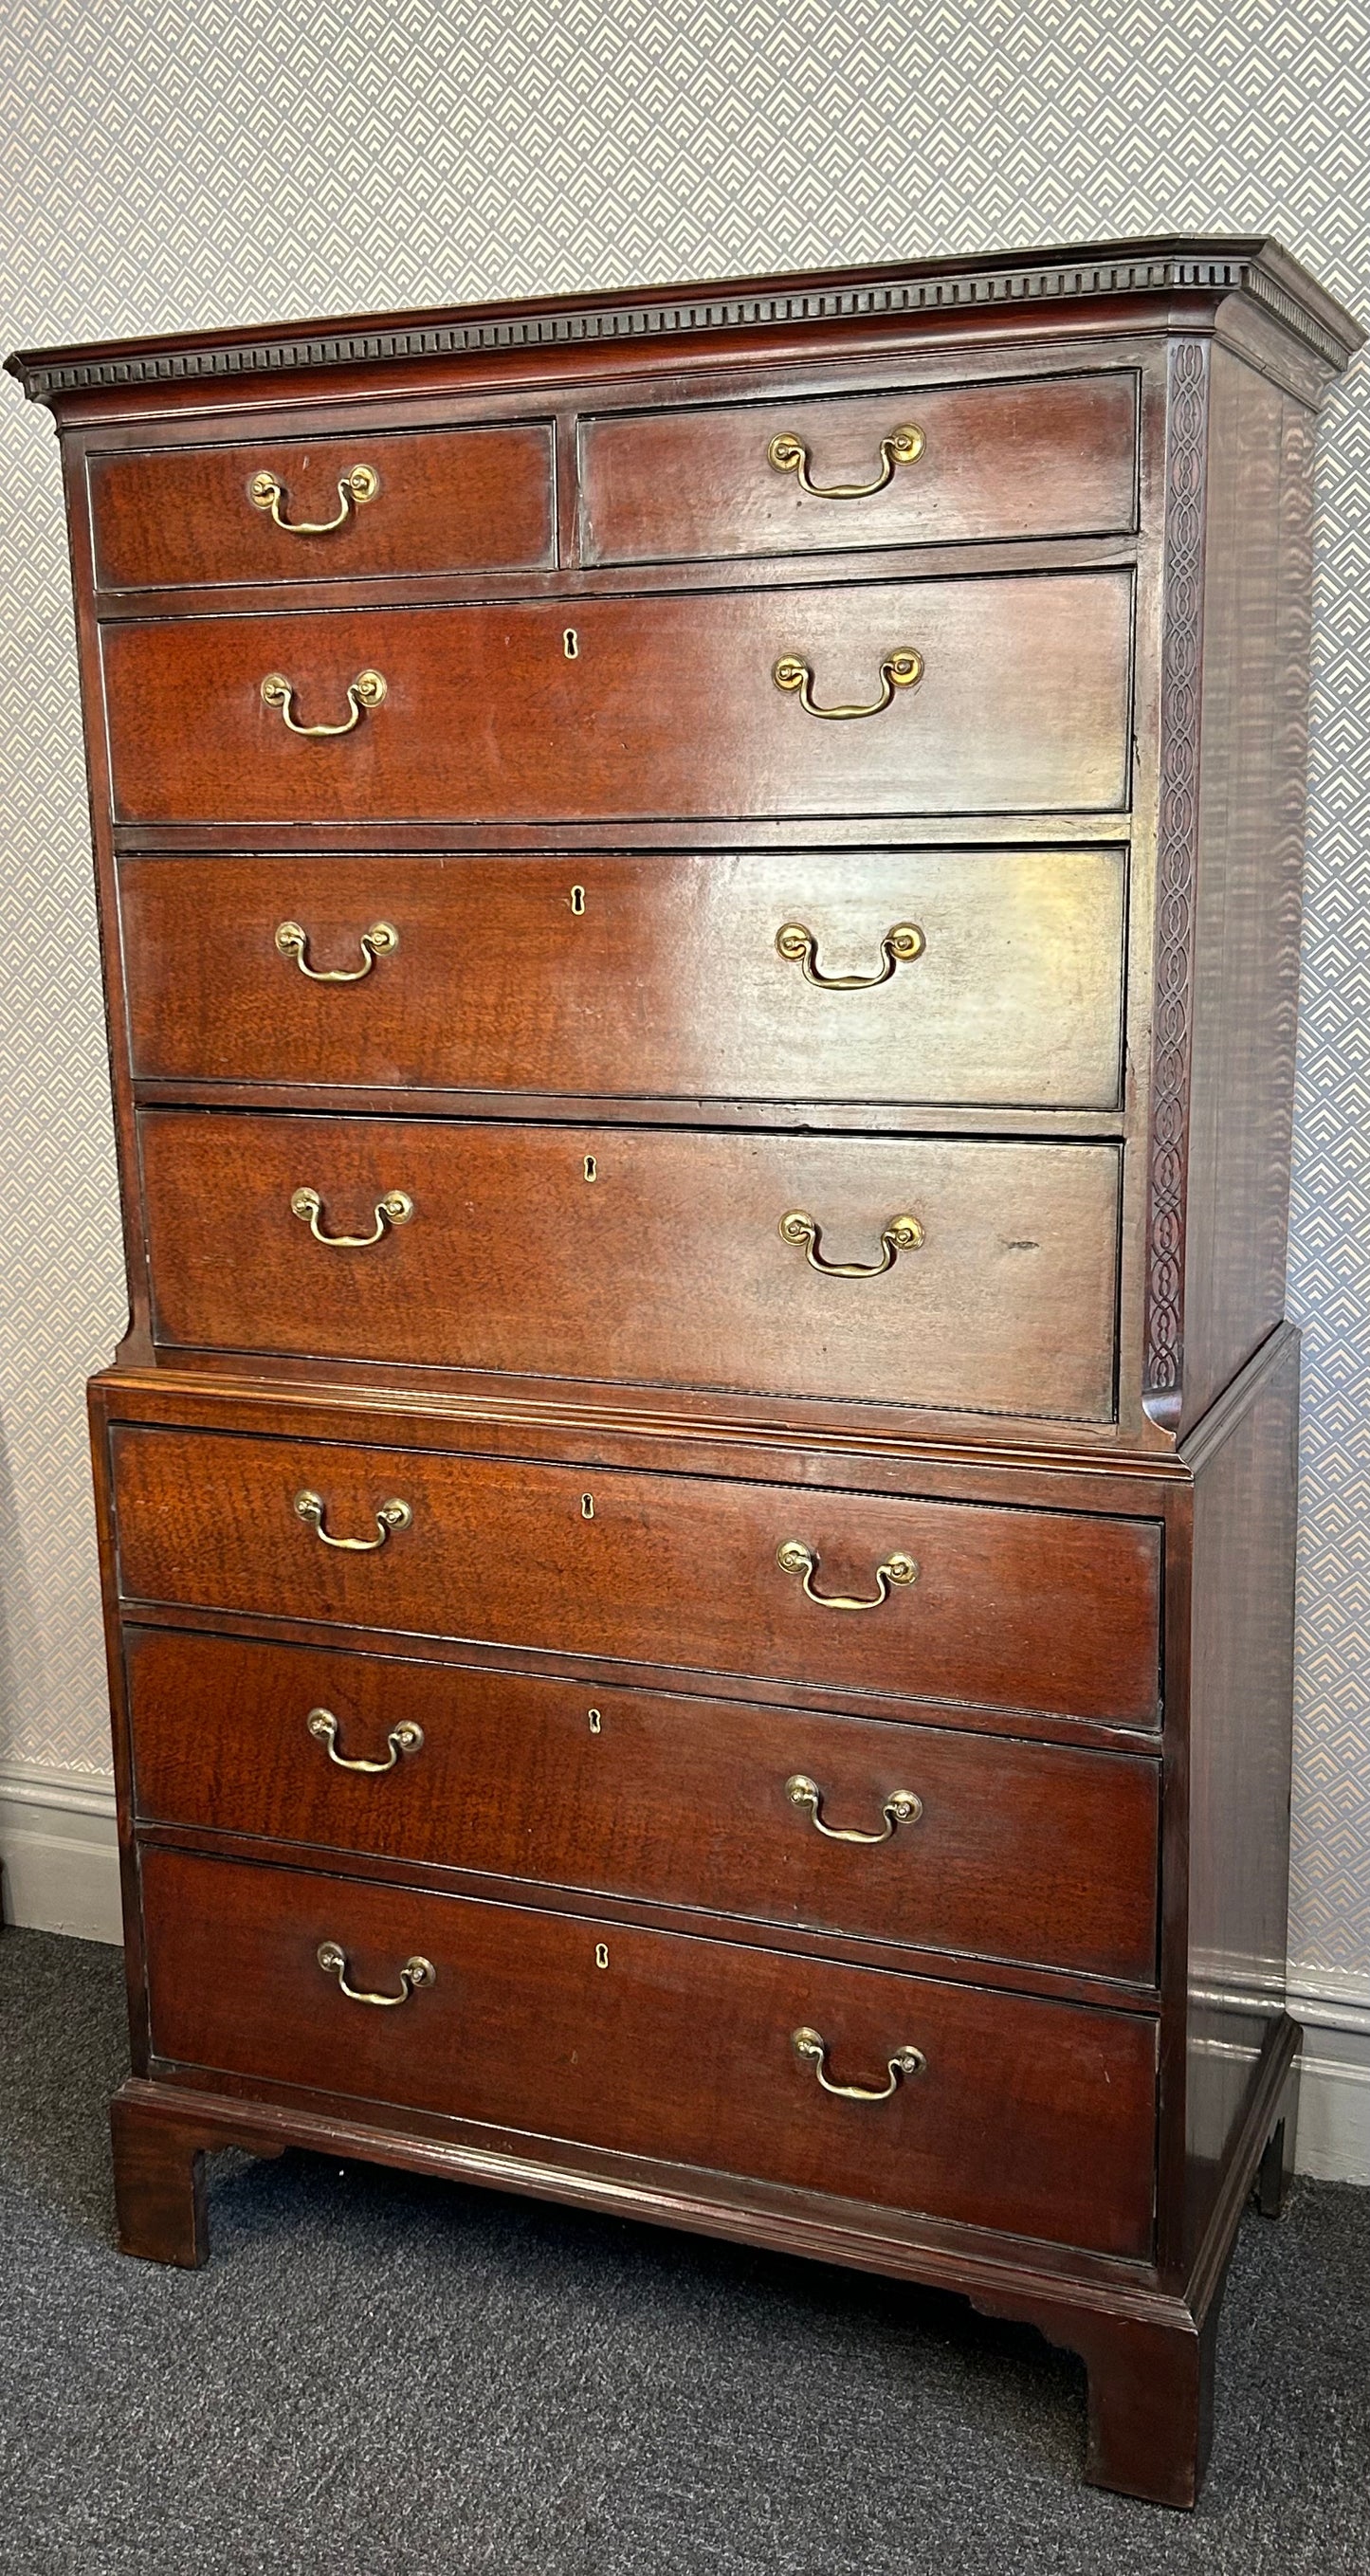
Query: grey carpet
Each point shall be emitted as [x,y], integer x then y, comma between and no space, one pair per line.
[383,2376]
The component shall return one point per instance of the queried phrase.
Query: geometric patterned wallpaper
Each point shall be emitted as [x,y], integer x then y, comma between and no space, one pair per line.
[182,163]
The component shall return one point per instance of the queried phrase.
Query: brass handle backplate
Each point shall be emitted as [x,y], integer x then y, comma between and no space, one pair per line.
[811,2046]
[789,455]
[395,1208]
[393,1515]
[404,1738]
[902,1234]
[793,1557]
[267,492]
[798,946]
[902,669]
[332,1959]
[381,940]
[900,1808]
[367,690]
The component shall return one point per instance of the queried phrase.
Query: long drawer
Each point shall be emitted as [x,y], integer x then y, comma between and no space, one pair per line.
[422,501]
[658,2044]
[610,1565]
[1048,457]
[652,1255]
[977,1844]
[991,976]
[550,711]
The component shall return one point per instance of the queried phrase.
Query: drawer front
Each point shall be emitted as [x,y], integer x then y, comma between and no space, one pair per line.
[670,1570]
[669,707]
[1046,459]
[998,1850]
[450,500]
[652,1255]
[616,976]
[1037,2118]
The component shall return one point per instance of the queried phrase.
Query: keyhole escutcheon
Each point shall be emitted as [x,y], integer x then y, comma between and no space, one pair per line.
[570,643]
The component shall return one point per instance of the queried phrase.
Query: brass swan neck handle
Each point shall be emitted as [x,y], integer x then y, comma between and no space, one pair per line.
[381,940]
[267,492]
[812,2048]
[901,669]
[367,690]
[404,1738]
[416,1972]
[902,1234]
[797,944]
[392,1515]
[900,1808]
[395,1208]
[789,455]
[793,1557]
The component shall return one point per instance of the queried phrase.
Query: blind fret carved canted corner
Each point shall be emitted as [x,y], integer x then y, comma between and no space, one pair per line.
[686,883]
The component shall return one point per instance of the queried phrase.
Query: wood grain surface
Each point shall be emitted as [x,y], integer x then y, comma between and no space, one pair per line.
[1045,458]
[649,1255]
[678,2048]
[1021,1851]
[668,708]
[670,1569]
[448,500]
[653,975]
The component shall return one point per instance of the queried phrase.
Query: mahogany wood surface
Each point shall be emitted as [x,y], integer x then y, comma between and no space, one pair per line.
[1249,875]
[604,1404]
[1216,281]
[675,2046]
[1148,2440]
[1241,1687]
[668,707]
[651,1255]
[448,500]
[1150,2424]
[1275,2175]
[1022,1851]
[1034,459]
[648,975]
[678,1571]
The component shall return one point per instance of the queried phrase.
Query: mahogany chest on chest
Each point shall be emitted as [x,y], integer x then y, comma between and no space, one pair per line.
[700,897]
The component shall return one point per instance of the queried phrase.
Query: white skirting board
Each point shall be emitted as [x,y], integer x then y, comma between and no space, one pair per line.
[1334,2085]
[59,1853]
[59,1870]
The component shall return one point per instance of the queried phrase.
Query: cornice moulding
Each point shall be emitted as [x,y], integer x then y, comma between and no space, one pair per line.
[1213,268]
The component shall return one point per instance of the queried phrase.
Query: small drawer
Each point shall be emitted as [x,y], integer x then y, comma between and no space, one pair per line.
[986,1271]
[1052,457]
[658,2044]
[371,504]
[971,1843]
[1013,695]
[609,1565]
[988,976]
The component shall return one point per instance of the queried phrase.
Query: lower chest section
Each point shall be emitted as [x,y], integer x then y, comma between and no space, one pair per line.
[805,1837]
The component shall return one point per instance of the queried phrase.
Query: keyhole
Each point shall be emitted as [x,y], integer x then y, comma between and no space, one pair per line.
[596,1722]
[577,899]
[570,643]
[591,1168]
[601,1954]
